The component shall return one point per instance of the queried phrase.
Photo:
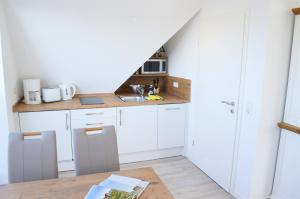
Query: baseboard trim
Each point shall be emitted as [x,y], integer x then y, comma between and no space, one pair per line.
[66,166]
[150,155]
[132,157]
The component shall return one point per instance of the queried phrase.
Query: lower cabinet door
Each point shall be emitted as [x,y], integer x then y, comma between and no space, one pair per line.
[137,129]
[59,121]
[171,125]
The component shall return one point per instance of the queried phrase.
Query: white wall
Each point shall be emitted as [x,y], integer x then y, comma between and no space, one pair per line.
[13,90]
[280,26]
[9,93]
[183,62]
[264,86]
[3,125]
[95,44]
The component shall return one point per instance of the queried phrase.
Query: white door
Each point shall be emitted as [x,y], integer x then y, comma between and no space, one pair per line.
[47,121]
[171,125]
[137,129]
[220,62]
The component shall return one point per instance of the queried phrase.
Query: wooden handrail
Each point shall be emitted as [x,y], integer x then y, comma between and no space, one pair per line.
[94,129]
[296,11]
[289,127]
[32,134]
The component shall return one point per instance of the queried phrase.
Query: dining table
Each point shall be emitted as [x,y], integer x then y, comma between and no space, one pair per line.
[78,186]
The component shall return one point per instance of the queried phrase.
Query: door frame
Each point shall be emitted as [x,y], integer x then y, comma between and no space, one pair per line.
[241,102]
[4,127]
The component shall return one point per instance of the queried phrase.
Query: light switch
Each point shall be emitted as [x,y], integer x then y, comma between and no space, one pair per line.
[249,108]
[15,92]
[175,84]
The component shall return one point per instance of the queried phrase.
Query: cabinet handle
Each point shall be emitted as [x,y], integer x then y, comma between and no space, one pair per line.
[92,124]
[67,123]
[120,122]
[89,114]
[228,103]
[172,109]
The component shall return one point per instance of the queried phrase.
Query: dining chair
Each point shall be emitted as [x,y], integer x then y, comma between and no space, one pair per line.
[95,150]
[32,156]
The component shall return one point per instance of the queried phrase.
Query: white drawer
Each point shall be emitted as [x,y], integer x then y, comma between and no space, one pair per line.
[87,114]
[90,118]
[91,123]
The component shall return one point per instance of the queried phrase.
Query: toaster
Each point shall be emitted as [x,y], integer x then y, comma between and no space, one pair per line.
[51,94]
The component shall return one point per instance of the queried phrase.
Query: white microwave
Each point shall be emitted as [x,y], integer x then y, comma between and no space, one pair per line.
[153,66]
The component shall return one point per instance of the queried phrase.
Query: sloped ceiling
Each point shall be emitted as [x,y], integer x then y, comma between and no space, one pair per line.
[95,44]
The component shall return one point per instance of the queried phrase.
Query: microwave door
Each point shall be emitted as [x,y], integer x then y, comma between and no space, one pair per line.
[151,67]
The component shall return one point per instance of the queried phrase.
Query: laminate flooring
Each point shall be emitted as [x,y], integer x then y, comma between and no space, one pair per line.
[183,179]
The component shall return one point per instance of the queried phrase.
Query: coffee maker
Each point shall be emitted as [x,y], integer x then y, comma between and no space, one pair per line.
[32,91]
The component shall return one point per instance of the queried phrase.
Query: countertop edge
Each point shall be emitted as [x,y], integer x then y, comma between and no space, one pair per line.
[112,101]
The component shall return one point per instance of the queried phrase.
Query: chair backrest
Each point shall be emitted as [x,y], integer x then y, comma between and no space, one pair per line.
[95,150]
[32,156]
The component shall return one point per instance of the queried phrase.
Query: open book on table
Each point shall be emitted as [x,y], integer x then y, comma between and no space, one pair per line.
[117,187]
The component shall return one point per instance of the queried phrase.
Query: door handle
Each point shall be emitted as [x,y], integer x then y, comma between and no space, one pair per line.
[120,122]
[228,103]
[67,121]
[90,114]
[172,109]
[93,124]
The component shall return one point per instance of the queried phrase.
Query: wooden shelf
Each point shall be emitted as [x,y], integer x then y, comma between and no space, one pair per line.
[289,127]
[158,58]
[151,75]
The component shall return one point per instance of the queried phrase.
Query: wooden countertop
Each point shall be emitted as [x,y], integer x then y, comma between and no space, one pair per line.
[77,187]
[110,100]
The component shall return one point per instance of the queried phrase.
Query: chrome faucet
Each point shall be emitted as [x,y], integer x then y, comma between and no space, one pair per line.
[138,89]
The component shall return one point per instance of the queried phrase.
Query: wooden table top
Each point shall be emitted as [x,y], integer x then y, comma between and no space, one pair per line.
[77,187]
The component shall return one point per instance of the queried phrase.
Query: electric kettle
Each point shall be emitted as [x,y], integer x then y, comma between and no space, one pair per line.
[67,91]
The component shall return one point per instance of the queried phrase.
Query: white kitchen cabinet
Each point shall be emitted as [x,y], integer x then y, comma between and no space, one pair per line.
[137,129]
[143,132]
[91,118]
[59,121]
[171,125]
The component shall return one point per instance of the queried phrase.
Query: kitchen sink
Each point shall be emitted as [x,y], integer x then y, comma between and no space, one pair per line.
[132,98]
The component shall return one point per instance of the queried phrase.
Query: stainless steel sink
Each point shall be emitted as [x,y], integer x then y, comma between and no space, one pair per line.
[132,98]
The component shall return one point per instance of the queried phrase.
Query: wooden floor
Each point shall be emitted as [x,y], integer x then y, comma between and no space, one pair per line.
[183,179]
